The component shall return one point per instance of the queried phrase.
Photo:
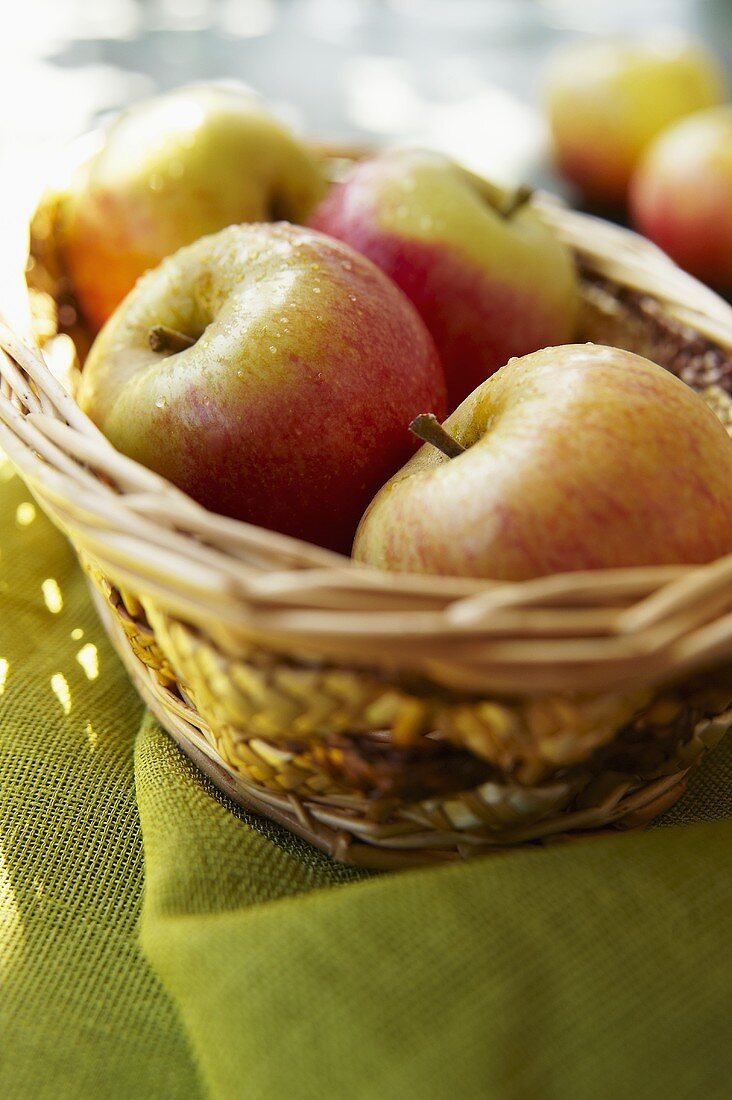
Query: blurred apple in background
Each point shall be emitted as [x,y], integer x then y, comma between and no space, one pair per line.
[607,99]
[681,195]
[489,280]
[174,168]
[577,457]
[286,373]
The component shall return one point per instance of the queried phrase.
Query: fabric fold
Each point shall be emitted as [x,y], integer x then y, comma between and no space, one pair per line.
[594,968]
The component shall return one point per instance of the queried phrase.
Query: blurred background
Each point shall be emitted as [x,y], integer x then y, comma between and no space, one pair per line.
[460,75]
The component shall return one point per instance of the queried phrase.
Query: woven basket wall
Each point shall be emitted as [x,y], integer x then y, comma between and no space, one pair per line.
[389,719]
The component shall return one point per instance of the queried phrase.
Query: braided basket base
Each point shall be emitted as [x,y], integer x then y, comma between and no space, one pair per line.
[392,833]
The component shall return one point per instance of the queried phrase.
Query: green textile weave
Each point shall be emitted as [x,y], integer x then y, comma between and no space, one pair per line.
[156,942]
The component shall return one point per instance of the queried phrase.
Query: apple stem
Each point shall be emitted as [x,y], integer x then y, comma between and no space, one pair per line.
[163,338]
[427,427]
[516,200]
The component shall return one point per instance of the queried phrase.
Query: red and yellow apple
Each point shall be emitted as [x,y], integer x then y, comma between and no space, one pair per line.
[607,99]
[489,281]
[577,457]
[681,195]
[173,168]
[288,369]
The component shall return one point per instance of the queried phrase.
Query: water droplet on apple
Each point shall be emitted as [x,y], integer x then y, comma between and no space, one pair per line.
[316,290]
[347,265]
[352,298]
[161,403]
[240,374]
[273,349]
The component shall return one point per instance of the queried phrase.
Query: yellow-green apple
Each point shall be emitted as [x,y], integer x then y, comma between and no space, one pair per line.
[577,457]
[489,280]
[607,99]
[271,373]
[681,195]
[171,169]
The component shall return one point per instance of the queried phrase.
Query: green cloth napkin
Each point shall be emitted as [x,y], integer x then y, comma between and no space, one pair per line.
[157,942]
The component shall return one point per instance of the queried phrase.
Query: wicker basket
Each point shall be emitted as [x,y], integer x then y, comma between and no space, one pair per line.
[393,720]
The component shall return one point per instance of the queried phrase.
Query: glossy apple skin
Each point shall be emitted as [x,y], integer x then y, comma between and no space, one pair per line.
[579,457]
[486,286]
[606,100]
[174,168]
[293,406]
[681,195]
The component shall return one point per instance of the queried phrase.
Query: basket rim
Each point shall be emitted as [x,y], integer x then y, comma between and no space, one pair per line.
[595,629]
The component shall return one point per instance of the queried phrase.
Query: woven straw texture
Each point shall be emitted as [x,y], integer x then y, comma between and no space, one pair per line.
[397,719]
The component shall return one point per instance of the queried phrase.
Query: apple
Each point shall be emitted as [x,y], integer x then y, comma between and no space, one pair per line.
[576,457]
[606,100]
[271,373]
[173,168]
[489,280]
[681,195]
